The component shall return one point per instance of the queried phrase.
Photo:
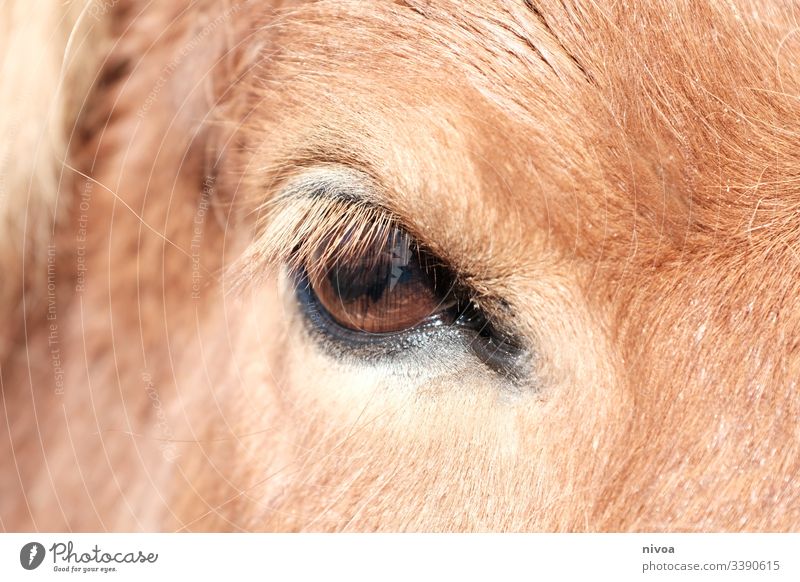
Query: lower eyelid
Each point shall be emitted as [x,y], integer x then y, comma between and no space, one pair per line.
[434,338]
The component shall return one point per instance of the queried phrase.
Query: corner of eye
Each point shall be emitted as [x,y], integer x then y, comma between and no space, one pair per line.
[255,266]
[283,232]
[279,231]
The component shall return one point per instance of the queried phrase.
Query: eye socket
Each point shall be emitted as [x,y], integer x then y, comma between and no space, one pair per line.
[368,290]
[389,287]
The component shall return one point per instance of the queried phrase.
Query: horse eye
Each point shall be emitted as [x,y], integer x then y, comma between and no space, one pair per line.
[371,290]
[389,286]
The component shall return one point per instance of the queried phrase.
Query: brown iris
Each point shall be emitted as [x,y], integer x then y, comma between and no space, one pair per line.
[388,286]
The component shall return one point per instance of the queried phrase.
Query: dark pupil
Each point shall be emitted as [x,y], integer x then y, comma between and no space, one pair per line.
[373,275]
[388,287]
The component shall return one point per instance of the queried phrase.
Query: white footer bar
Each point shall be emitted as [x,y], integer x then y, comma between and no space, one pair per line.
[407,557]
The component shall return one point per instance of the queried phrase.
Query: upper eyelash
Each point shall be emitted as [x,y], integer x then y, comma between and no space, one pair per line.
[304,228]
[300,224]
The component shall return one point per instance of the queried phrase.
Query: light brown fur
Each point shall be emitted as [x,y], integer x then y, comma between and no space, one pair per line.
[619,181]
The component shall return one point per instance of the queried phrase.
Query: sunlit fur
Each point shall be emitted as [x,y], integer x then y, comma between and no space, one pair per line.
[621,181]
